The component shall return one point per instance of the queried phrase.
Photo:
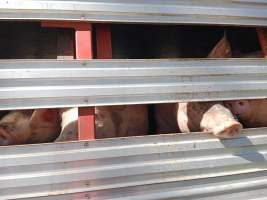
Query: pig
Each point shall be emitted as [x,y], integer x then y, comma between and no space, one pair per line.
[211,117]
[121,121]
[165,118]
[69,124]
[251,113]
[29,126]
[110,121]
[39,126]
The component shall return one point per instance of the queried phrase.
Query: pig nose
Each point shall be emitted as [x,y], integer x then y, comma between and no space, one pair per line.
[230,131]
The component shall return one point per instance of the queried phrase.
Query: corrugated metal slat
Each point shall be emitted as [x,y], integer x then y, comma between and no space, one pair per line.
[235,12]
[153,167]
[48,83]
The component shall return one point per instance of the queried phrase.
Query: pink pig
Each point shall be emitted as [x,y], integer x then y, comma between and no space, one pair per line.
[29,126]
[251,113]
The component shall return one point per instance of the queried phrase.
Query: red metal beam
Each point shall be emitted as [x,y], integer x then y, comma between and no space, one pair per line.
[83,50]
[262,36]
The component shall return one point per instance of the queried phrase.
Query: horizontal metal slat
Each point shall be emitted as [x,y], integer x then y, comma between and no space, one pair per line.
[236,12]
[249,186]
[50,83]
[146,167]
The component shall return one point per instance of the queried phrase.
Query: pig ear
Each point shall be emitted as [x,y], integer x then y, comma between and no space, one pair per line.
[41,116]
[222,49]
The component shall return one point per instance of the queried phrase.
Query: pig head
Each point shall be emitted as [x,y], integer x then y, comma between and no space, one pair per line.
[211,117]
[29,126]
[251,113]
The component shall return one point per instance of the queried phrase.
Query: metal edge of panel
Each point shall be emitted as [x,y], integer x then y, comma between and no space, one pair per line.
[236,12]
[146,167]
[49,83]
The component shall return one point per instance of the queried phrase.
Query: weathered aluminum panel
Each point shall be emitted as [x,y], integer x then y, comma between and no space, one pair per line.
[195,166]
[231,12]
[50,83]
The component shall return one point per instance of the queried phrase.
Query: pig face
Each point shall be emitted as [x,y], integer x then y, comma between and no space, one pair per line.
[252,113]
[239,107]
[29,126]
[14,128]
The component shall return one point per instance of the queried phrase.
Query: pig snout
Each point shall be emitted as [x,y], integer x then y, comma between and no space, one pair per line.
[228,129]
[220,121]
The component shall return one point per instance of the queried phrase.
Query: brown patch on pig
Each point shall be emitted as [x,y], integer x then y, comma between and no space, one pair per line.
[165,117]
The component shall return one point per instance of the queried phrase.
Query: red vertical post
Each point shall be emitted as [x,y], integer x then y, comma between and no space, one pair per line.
[83,50]
[262,36]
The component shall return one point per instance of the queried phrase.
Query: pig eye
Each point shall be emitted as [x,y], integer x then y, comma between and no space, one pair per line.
[241,103]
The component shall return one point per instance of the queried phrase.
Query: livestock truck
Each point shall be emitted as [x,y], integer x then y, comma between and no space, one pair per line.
[88,54]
